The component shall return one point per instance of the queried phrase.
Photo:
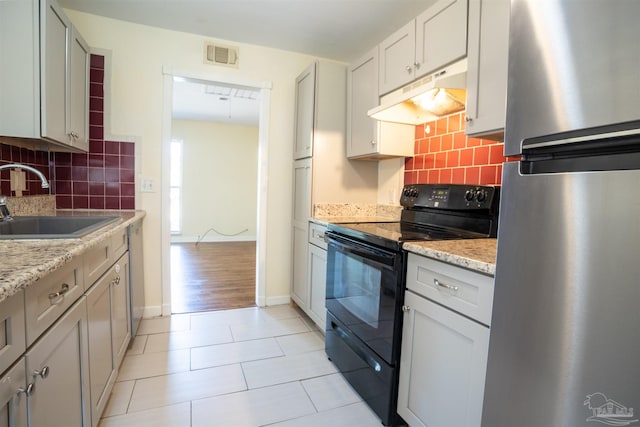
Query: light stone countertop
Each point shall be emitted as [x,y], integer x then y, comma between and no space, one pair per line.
[325,220]
[474,254]
[26,261]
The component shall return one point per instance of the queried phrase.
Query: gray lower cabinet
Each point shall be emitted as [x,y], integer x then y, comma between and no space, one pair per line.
[57,366]
[13,399]
[109,331]
[120,309]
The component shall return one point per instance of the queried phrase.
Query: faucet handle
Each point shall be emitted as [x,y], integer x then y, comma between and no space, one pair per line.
[5,215]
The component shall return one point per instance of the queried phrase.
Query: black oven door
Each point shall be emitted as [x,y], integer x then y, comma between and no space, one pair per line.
[364,292]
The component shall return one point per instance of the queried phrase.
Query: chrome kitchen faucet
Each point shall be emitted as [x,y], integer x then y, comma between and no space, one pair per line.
[5,215]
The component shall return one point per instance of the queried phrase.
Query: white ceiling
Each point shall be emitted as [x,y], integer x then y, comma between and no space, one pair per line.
[334,29]
[194,100]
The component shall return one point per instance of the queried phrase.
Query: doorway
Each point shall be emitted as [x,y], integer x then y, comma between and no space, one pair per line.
[215,250]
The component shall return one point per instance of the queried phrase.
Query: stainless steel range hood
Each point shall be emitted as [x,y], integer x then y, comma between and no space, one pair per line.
[435,95]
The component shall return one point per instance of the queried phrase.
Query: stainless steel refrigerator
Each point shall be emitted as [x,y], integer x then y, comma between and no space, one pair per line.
[564,347]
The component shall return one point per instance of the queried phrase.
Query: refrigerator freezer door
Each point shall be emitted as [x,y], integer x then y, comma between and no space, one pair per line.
[565,330]
[572,65]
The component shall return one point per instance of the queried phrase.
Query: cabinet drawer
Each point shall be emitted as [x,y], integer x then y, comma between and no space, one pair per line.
[316,235]
[96,261]
[12,330]
[119,244]
[45,301]
[461,290]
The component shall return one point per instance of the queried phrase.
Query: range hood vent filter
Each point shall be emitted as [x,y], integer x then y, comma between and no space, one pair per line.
[436,95]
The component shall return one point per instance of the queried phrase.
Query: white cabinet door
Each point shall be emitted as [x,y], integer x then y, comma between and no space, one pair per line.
[441,35]
[397,57]
[305,113]
[318,282]
[13,399]
[368,138]
[79,92]
[442,366]
[362,95]
[54,38]
[487,62]
[58,366]
[120,309]
[301,214]
[102,368]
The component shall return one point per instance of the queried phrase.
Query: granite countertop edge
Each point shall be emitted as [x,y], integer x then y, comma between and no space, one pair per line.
[27,261]
[473,254]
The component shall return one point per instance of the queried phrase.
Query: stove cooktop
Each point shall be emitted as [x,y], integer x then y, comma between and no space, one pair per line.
[432,212]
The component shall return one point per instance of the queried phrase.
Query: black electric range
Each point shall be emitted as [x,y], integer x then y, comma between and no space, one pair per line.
[432,212]
[366,270]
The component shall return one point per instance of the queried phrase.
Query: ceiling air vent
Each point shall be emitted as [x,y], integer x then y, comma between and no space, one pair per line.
[216,54]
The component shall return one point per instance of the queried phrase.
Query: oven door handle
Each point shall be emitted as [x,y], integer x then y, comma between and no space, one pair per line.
[370,254]
[357,349]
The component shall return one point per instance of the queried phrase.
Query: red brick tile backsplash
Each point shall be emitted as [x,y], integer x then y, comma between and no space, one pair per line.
[444,154]
[103,178]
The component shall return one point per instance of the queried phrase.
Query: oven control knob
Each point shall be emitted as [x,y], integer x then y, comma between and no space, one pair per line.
[481,195]
[468,196]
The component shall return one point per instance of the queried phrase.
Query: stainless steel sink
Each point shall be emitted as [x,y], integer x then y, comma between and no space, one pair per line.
[52,227]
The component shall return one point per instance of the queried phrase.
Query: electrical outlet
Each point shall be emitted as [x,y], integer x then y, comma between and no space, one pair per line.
[148,185]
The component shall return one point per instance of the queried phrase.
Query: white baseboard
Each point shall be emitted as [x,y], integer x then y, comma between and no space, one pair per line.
[284,299]
[152,311]
[193,239]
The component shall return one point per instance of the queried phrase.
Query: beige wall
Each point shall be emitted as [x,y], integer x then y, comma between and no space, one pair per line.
[219,180]
[138,54]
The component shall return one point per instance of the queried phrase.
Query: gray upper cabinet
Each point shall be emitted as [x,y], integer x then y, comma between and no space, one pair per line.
[79,92]
[397,59]
[441,35]
[437,37]
[43,76]
[487,72]
[305,113]
[368,138]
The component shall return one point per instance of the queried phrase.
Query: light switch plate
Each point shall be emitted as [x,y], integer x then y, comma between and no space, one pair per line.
[148,185]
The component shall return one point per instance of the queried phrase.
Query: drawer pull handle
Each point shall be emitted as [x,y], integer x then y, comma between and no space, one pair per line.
[42,373]
[28,391]
[65,288]
[444,285]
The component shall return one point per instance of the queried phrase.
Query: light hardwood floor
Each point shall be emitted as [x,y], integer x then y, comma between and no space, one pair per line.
[212,276]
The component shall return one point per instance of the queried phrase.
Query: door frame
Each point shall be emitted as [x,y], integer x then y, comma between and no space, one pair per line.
[169,73]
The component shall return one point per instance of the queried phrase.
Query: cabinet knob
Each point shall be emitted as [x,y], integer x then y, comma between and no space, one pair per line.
[409,69]
[406,308]
[42,373]
[417,65]
[28,391]
[468,119]
[373,142]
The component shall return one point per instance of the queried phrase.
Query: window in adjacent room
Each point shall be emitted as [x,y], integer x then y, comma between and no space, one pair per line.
[175,195]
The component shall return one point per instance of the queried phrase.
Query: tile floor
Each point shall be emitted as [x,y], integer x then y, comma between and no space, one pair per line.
[243,367]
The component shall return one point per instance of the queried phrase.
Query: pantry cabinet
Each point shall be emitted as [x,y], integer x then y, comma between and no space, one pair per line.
[435,38]
[44,76]
[325,175]
[368,138]
[301,214]
[305,113]
[487,73]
